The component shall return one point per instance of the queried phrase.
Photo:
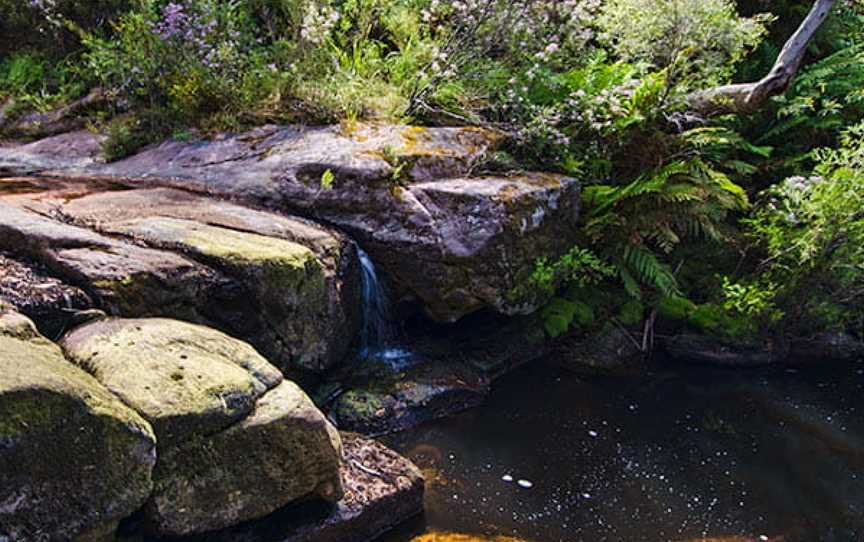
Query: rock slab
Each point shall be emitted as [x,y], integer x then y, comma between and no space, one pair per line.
[235,441]
[408,195]
[287,286]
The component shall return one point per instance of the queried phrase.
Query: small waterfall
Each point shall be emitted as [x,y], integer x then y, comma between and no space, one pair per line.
[378,335]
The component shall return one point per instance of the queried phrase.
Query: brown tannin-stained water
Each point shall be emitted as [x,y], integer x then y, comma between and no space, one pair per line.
[679,455]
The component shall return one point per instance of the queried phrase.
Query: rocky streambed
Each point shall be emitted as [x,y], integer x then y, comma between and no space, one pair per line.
[194,340]
[163,318]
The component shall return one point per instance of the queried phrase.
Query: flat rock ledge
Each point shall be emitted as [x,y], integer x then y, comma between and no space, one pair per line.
[289,287]
[409,196]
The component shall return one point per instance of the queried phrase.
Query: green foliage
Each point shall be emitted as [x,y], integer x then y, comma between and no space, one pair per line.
[715,320]
[639,222]
[579,267]
[675,308]
[699,40]
[631,313]
[327,179]
[753,300]
[826,98]
[124,135]
[812,232]
[560,314]
[39,26]
[36,82]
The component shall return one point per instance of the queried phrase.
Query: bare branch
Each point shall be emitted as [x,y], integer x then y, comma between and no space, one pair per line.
[747,98]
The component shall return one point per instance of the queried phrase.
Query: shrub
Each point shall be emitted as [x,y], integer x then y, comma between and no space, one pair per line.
[632,313]
[699,41]
[812,232]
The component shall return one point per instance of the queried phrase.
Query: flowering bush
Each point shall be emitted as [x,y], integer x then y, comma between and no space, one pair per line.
[698,40]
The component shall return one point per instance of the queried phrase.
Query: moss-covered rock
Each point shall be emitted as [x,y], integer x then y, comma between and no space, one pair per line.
[235,441]
[292,286]
[381,401]
[74,460]
[185,379]
[284,451]
[286,282]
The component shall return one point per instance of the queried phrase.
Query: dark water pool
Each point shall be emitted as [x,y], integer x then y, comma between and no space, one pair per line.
[677,455]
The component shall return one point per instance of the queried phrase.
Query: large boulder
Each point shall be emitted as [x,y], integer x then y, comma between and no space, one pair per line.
[74,460]
[382,490]
[125,278]
[289,287]
[235,441]
[406,194]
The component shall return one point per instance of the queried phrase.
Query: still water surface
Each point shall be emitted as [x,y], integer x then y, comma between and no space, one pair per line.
[678,455]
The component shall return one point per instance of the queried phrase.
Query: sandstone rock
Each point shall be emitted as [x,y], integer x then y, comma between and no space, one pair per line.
[287,286]
[313,328]
[382,490]
[379,402]
[284,451]
[73,459]
[72,151]
[404,193]
[722,352]
[186,380]
[229,449]
[125,279]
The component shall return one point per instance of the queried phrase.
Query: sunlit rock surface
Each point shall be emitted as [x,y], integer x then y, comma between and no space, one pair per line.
[456,241]
[234,441]
[286,285]
[74,460]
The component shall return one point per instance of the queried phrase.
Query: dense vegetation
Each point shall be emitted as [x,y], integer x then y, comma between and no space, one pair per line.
[738,225]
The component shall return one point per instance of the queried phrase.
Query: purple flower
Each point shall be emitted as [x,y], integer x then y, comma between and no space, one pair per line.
[174,21]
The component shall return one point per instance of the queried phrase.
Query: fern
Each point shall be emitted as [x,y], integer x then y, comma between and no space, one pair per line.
[638,224]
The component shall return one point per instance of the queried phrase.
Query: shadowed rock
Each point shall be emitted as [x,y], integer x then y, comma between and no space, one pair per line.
[50,302]
[382,490]
[74,460]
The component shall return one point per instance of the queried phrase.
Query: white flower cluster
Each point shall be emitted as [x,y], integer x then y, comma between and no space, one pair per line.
[48,9]
[318,21]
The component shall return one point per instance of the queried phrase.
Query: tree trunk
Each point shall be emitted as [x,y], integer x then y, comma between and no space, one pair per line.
[747,98]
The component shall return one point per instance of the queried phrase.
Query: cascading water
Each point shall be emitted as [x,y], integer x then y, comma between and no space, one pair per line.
[378,335]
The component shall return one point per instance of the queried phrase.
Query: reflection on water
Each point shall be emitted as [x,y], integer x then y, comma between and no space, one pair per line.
[455,537]
[679,455]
